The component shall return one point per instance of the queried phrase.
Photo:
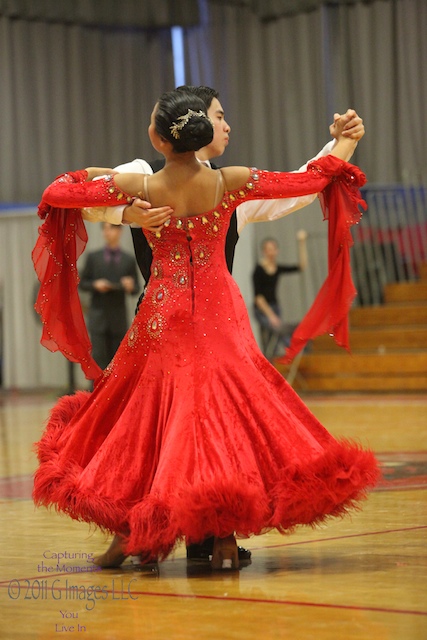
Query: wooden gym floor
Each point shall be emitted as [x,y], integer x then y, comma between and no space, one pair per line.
[354,579]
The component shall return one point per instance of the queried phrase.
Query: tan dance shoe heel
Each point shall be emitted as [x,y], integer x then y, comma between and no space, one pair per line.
[225,554]
[113,557]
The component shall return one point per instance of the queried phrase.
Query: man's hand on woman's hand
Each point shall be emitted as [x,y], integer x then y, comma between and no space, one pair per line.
[141,213]
[349,125]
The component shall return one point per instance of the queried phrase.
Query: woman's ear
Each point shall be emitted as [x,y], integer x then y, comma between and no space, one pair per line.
[164,145]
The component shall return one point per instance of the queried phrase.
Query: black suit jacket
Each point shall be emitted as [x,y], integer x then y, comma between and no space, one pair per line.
[108,310]
[143,252]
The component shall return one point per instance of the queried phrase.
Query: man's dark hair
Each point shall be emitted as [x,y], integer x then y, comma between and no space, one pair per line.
[207,94]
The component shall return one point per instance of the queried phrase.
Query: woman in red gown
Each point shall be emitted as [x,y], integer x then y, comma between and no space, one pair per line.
[190,432]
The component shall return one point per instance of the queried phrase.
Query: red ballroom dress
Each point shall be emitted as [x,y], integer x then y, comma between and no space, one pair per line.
[190,432]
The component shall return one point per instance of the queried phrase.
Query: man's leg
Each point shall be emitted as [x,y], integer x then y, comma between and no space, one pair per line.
[203,550]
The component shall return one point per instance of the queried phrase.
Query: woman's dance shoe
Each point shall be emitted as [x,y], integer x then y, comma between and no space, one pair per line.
[143,558]
[225,554]
[113,557]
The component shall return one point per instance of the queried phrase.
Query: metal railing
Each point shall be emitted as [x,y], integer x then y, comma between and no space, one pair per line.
[390,242]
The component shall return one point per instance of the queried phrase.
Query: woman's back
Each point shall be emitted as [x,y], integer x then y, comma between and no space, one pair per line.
[190,189]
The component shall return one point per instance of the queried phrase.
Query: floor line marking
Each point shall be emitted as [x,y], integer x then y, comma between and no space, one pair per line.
[350,535]
[295,603]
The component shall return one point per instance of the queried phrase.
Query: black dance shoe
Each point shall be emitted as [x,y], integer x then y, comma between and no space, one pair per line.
[205,549]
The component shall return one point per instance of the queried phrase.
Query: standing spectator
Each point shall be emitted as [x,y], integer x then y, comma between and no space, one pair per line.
[274,331]
[109,274]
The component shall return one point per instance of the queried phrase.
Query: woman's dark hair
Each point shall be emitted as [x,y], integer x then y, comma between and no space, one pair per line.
[182,120]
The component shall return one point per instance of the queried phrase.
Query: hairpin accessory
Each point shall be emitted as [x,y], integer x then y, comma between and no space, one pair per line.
[183,120]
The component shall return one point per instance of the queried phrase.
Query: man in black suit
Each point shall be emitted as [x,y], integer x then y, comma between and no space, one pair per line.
[109,274]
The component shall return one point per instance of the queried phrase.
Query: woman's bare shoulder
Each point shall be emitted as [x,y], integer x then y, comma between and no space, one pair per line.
[235,177]
[130,183]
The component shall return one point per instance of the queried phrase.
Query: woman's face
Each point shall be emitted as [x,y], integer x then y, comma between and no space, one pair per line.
[270,250]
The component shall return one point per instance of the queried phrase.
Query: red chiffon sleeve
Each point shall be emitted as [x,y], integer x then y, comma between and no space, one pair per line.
[62,239]
[341,203]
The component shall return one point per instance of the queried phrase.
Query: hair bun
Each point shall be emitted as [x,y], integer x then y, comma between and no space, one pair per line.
[197,133]
[182,120]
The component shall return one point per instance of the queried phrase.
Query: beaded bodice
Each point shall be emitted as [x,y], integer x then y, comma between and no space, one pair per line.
[189,271]
[190,285]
